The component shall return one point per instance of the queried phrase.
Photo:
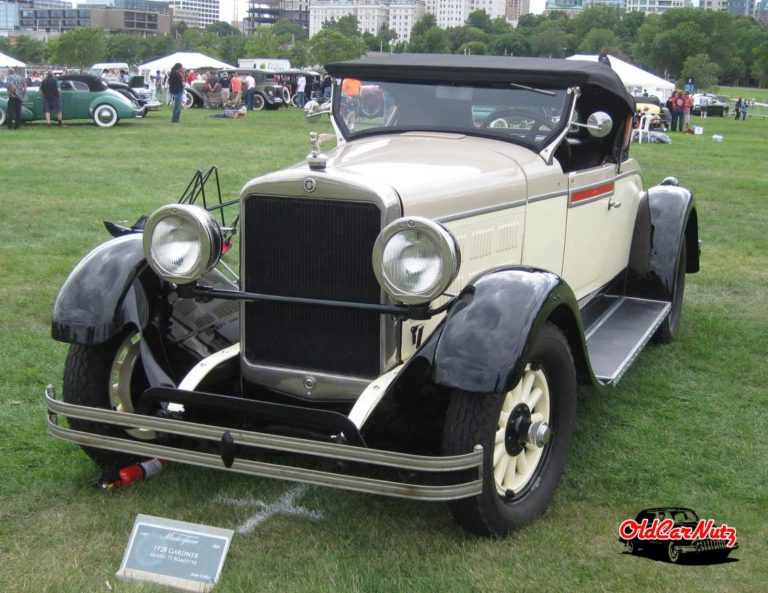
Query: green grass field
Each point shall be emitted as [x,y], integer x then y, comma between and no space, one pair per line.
[686,426]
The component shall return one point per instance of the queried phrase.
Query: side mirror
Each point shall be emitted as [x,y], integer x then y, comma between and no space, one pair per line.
[599,124]
[314,109]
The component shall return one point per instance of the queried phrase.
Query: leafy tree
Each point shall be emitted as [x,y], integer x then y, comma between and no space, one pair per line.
[79,47]
[155,47]
[424,24]
[759,68]
[599,41]
[299,54]
[329,45]
[480,20]
[263,43]
[501,26]
[29,50]
[458,36]
[348,25]
[528,23]
[702,70]
[289,30]
[510,44]
[178,29]
[124,48]
[232,47]
[734,71]
[601,16]
[194,39]
[432,41]
[5,46]
[221,29]
[548,40]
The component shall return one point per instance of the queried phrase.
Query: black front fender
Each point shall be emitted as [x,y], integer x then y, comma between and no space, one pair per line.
[92,306]
[483,343]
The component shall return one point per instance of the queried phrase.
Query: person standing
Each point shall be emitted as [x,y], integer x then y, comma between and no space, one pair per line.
[16,92]
[250,90]
[176,90]
[687,107]
[678,106]
[737,108]
[744,109]
[52,98]
[301,85]
[704,106]
[236,87]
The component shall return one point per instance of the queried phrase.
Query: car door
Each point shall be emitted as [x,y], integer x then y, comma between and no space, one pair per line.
[75,97]
[601,212]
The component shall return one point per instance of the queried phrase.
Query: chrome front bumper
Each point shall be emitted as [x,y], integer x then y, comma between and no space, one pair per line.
[284,444]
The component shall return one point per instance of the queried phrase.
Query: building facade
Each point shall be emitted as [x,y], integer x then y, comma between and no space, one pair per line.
[195,13]
[656,6]
[267,12]
[372,15]
[514,9]
[111,20]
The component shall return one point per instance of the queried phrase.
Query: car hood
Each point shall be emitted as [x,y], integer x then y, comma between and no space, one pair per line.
[439,175]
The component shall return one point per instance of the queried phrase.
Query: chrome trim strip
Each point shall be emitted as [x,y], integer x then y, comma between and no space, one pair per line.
[479,211]
[371,397]
[548,152]
[245,466]
[554,194]
[200,371]
[325,386]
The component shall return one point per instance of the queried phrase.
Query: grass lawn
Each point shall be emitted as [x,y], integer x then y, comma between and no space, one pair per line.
[686,426]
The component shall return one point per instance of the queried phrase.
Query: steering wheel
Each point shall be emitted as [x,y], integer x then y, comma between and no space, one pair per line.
[501,117]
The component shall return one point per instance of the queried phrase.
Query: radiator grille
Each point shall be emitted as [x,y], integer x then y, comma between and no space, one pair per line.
[315,249]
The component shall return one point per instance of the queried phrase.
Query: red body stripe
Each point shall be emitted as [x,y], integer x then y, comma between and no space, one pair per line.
[578,196]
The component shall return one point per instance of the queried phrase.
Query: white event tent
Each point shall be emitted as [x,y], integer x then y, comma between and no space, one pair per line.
[636,80]
[9,62]
[190,61]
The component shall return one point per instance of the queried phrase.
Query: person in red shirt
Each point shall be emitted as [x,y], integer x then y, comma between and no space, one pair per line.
[678,106]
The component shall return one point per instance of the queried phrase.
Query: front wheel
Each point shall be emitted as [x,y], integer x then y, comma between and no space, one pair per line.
[105,116]
[525,434]
[107,376]
[673,553]
[258,102]
[2,116]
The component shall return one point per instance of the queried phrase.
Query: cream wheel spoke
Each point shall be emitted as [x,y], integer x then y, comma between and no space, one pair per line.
[537,417]
[498,451]
[500,435]
[534,398]
[500,469]
[509,476]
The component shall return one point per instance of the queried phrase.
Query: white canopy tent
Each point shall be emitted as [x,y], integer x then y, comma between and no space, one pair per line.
[190,61]
[9,62]
[636,80]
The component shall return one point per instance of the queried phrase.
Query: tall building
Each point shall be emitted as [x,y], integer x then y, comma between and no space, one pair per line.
[454,13]
[372,15]
[570,7]
[195,13]
[620,4]
[111,20]
[267,12]
[514,9]
[656,6]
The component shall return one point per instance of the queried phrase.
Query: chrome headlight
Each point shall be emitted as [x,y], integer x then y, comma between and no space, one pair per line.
[182,242]
[415,259]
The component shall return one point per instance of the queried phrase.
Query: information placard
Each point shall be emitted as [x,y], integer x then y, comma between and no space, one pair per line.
[180,555]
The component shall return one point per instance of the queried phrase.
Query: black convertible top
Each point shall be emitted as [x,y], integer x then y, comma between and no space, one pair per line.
[458,68]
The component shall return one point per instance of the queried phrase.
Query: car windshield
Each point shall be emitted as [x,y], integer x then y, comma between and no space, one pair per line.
[532,117]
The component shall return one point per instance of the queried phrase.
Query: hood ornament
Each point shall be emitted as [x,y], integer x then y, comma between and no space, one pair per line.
[316,159]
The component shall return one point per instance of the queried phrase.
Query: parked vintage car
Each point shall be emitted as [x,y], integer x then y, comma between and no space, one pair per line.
[716,105]
[675,550]
[417,305]
[136,91]
[269,93]
[651,104]
[83,96]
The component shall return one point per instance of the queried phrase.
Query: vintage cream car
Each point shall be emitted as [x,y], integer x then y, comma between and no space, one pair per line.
[413,310]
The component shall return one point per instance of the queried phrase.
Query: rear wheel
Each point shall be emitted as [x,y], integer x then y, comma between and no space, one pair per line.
[525,434]
[671,325]
[2,116]
[673,553]
[106,376]
[105,116]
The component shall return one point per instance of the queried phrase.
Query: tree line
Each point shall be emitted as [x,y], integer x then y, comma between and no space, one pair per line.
[710,46]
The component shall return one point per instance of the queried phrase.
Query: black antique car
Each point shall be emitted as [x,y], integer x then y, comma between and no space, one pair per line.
[268,92]
[411,312]
[678,548]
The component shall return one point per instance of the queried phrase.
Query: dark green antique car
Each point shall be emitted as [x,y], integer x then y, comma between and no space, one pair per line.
[82,97]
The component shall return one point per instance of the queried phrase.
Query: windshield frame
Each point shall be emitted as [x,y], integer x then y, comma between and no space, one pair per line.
[558,129]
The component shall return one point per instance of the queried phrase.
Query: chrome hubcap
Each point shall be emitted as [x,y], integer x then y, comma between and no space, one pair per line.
[120,378]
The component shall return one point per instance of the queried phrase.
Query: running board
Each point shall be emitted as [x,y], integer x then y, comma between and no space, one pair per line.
[616,337]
